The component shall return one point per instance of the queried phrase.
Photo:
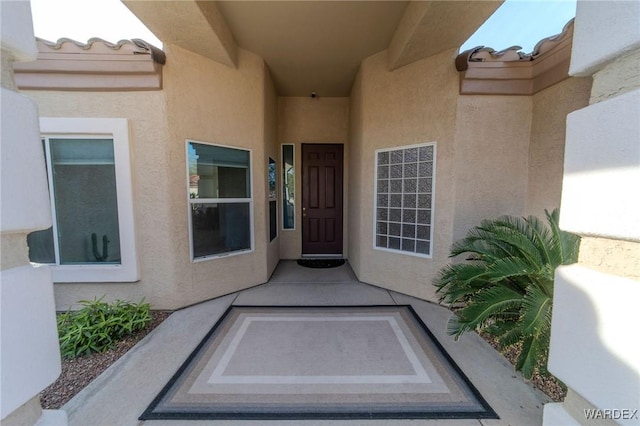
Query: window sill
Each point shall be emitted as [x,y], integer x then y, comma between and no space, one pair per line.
[408,253]
[221,255]
[94,273]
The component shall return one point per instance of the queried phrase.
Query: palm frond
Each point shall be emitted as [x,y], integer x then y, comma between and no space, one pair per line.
[459,281]
[486,303]
[508,267]
[503,237]
[542,237]
[501,325]
[522,236]
[507,283]
[510,335]
[482,243]
[566,244]
[529,357]
[536,311]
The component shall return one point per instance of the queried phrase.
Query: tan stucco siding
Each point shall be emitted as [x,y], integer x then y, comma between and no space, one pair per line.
[495,155]
[546,148]
[413,104]
[210,102]
[148,144]
[272,149]
[202,101]
[307,120]
[14,251]
[492,142]
[354,166]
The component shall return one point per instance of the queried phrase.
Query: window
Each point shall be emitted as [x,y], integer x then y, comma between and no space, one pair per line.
[288,187]
[92,238]
[220,204]
[404,199]
[273,200]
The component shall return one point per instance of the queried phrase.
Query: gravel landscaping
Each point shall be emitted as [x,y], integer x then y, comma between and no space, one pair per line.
[77,373]
[547,384]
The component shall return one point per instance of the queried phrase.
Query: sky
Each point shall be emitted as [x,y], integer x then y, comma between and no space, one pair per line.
[522,23]
[516,22]
[81,20]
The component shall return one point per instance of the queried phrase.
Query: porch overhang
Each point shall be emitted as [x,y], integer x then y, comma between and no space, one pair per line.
[197,26]
[314,46]
[430,27]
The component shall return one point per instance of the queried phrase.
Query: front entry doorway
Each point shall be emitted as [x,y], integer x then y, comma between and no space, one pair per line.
[322,174]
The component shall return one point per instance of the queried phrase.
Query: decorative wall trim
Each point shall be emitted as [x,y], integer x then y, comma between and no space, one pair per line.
[96,65]
[484,71]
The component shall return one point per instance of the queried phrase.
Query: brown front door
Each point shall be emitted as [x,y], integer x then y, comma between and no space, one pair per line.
[322,199]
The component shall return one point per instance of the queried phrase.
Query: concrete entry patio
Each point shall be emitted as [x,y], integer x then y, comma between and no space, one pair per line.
[123,392]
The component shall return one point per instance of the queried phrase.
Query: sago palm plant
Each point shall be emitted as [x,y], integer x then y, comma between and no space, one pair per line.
[506,284]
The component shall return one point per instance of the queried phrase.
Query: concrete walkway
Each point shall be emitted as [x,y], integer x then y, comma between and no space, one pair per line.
[123,392]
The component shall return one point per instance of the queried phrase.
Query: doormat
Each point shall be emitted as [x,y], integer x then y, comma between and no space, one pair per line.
[265,362]
[320,263]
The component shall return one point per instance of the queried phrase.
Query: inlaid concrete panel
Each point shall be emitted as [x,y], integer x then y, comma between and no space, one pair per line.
[266,362]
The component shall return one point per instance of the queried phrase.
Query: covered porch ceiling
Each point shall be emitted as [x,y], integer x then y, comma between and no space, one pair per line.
[314,46]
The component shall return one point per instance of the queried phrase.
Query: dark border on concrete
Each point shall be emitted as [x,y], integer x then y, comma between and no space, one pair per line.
[486,413]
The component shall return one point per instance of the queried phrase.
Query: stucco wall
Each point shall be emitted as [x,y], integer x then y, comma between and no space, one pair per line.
[621,76]
[356,142]
[413,104]
[546,147]
[272,149]
[147,140]
[496,155]
[307,120]
[202,101]
[510,152]
[484,163]
[492,142]
[213,103]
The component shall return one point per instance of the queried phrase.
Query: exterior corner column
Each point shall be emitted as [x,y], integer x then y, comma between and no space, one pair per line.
[30,358]
[592,349]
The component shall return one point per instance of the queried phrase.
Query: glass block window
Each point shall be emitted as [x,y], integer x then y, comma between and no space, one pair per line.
[404,191]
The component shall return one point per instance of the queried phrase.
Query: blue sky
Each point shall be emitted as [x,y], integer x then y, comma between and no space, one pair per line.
[516,22]
[523,23]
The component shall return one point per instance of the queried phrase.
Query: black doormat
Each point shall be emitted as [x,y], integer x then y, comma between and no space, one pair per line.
[320,263]
[319,362]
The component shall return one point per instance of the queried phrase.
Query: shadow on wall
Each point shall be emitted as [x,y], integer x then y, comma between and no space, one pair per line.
[592,342]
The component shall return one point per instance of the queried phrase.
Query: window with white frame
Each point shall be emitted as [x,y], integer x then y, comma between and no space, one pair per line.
[273,199]
[89,174]
[288,187]
[404,189]
[220,203]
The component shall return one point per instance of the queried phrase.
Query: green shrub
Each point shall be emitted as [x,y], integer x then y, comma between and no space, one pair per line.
[98,326]
[506,285]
